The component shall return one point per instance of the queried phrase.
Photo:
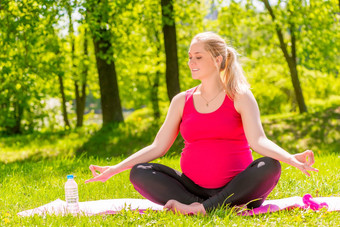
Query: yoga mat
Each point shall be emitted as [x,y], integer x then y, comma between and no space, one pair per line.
[113,206]
[110,206]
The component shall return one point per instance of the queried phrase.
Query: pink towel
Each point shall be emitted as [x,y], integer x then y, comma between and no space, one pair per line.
[306,202]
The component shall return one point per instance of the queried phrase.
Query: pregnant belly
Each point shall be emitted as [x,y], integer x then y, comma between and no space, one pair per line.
[213,166]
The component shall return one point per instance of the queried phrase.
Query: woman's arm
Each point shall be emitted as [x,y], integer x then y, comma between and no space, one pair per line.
[161,144]
[247,106]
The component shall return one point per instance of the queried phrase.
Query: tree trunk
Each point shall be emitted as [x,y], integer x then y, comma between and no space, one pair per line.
[63,101]
[18,111]
[155,85]
[154,96]
[170,45]
[80,103]
[290,59]
[294,72]
[81,95]
[110,101]
[80,106]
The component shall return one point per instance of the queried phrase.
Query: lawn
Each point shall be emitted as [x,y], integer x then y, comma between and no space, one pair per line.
[34,168]
[26,185]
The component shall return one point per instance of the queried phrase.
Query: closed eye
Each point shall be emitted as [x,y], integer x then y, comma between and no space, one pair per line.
[196,58]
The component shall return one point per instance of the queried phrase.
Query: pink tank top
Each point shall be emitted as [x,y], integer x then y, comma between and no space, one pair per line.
[216,148]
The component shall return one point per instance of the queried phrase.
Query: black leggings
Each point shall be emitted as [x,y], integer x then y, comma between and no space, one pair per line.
[160,183]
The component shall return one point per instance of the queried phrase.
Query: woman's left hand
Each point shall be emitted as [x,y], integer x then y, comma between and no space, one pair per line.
[304,161]
[175,206]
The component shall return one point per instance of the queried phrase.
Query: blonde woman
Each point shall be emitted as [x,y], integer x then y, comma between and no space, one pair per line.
[219,121]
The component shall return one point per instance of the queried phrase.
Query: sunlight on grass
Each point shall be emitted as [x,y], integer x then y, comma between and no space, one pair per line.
[31,184]
[34,168]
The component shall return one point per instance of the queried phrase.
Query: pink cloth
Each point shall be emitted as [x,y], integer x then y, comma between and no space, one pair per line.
[216,148]
[306,202]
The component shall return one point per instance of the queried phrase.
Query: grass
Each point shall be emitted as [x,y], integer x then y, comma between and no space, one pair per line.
[26,185]
[34,167]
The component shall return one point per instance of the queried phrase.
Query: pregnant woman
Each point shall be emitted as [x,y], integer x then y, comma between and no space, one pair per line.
[219,121]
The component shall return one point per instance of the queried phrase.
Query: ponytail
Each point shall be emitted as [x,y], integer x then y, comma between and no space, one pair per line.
[231,71]
[232,74]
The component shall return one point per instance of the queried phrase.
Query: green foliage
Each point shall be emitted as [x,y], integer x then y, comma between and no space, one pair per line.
[250,29]
[35,50]
[29,56]
[278,97]
[189,22]
[318,30]
[141,59]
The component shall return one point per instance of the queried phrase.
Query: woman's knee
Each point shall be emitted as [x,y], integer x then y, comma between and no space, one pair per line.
[269,164]
[137,171]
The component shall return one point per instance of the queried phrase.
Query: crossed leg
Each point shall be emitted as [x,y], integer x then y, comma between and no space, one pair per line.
[160,184]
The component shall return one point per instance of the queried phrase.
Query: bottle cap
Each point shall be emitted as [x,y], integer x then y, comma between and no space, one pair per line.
[69,176]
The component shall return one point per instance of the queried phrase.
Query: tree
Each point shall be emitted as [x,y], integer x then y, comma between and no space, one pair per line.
[98,12]
[152,27]
[170,44]
[25,69]
[80,81]
[80,90]
[291,58]
[154,85]
[251,30]
[63,96]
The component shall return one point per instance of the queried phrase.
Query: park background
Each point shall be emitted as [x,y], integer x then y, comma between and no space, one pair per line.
[89,82]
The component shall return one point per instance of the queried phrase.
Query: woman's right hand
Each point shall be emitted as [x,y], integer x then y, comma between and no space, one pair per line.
[105,173]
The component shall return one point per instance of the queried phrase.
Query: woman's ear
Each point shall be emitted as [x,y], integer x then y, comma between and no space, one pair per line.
[219,59]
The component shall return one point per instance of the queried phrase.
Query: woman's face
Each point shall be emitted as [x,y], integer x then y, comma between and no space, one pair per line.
[200,62]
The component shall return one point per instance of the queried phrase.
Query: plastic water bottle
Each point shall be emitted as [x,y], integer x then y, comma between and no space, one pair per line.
[71,195]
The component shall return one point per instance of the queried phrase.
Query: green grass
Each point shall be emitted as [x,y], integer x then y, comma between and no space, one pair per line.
[33,171]
[26,185]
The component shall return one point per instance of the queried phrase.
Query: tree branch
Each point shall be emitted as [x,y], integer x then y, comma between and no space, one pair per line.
[293,40]
[283,45]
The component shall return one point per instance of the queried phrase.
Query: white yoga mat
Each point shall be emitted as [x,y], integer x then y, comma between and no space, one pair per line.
[113,206]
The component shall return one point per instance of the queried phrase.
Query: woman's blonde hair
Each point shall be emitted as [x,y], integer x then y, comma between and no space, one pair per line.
[231,72]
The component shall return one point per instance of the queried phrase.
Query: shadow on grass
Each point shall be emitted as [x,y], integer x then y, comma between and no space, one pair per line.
[123,139]
[43,145]
[24,140]
[319,131]
[117,139]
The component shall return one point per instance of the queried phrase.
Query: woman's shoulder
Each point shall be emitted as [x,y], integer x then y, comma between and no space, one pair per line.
[177,104]
[246,93]
[182,96]
[179,99]
[242,99]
